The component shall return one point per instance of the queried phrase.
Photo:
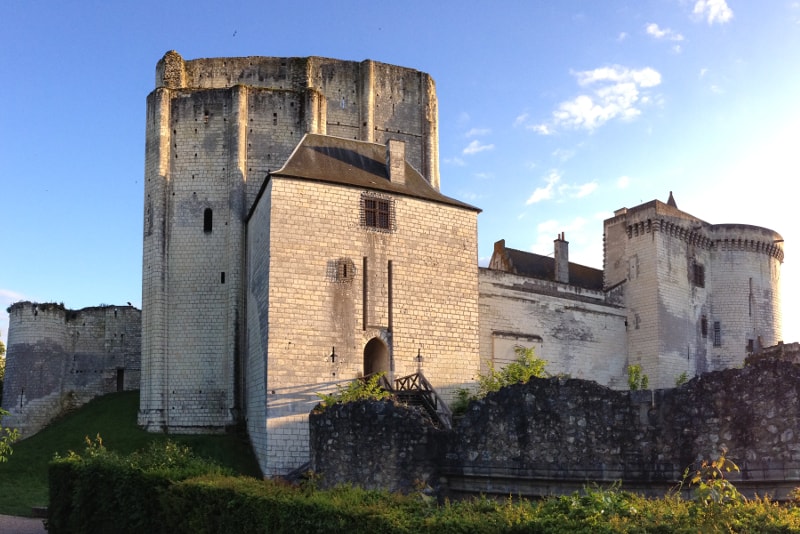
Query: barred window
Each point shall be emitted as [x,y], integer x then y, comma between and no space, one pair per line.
[717,334]
[341,270]
[377,212]
[699,275]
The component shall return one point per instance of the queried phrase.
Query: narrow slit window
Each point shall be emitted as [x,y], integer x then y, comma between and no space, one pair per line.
[208,220]
[704,326]
[222,277]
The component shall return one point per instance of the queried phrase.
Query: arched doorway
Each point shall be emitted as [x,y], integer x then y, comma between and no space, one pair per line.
[376,357]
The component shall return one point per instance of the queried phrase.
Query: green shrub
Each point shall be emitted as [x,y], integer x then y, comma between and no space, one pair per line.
[636,378]
[362,389]
[101,491]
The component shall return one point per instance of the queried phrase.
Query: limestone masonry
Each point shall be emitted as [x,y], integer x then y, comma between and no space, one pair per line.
[295,238]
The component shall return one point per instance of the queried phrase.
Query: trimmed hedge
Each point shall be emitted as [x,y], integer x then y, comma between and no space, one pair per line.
[167,490]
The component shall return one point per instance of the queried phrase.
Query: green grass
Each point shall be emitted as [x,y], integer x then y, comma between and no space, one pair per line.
[23,479]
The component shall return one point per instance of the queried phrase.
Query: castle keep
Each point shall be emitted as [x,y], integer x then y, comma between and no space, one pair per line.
[295,238]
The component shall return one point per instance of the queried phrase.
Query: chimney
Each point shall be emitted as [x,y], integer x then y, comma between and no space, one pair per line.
[561,256]
[396,161]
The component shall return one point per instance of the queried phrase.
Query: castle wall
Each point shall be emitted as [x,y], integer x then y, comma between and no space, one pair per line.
[58,359]
[424,304]
[552,436]
[215,128]
[574,329]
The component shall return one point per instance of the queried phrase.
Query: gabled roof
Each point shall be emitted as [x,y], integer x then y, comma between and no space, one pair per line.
[349,162]
[543,267]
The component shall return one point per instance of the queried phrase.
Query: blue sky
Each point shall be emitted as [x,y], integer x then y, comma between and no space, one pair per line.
[552,115]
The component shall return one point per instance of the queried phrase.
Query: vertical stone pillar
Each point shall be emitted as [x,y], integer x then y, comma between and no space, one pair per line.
[367,102]
[561,256]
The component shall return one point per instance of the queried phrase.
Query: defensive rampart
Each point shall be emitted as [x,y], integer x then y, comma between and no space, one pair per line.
[556,435]
[58,359]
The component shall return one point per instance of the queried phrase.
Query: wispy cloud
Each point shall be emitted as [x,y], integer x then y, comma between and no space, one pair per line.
[546,192]
[622,36]
[580,191]
[713,11]
[563,154]
[476,132]
[623,182]
[614,92]
[458,162]
[655,31]
[475,147]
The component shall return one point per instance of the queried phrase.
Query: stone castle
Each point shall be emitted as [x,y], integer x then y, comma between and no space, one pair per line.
[295,238]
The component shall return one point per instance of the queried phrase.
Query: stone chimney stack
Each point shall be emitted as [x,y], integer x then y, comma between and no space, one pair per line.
[561,256]
[396,161]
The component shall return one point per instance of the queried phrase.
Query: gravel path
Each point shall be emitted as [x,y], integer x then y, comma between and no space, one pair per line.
[21,525]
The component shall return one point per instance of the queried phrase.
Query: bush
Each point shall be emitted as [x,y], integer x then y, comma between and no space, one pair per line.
[369,388]
[102,491]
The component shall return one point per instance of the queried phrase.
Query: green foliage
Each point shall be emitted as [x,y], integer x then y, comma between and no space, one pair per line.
[525,367]
[682,379]
[7,437]
[361,389]
[636,379]
[94,491]
[24,478]
[709,482]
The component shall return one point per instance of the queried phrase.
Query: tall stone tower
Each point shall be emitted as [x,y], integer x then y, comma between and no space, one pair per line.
[699,296]
[215,128]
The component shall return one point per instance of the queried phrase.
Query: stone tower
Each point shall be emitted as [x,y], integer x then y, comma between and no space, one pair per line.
[215,128]
[699,296]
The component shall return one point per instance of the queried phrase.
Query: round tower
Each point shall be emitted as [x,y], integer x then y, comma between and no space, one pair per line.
[745,291]
[37,344]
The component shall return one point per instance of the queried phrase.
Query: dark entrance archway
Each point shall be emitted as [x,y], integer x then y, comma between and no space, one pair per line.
[376,357]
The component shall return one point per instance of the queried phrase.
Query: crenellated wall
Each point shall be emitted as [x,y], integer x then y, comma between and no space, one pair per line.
[59,358]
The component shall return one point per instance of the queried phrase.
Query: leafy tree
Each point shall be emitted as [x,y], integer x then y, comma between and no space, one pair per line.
[7,437]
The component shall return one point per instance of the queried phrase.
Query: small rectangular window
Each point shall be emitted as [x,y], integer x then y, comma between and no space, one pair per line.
[704,326]
[699,275]
[717,334]
[377,212]
[207,220]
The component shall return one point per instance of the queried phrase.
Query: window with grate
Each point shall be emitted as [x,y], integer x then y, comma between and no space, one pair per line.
[717,334]
[699,275]
[341,270]
[377,212]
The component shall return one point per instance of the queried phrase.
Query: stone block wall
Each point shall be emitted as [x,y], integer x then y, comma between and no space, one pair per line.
[574,329]
[58,359]
[306,314]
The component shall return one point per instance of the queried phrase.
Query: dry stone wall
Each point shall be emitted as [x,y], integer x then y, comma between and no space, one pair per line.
[559,430]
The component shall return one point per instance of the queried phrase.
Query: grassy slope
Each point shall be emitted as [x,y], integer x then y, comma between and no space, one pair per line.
[23,479]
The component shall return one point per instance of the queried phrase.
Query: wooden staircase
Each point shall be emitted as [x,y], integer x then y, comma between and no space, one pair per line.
[415,390]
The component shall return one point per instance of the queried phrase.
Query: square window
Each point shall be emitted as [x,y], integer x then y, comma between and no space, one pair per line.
[377,212]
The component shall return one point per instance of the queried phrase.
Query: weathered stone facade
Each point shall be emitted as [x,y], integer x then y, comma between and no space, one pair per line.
[58,359]
[677,295]
[554,435]
[215,129]
[325,290]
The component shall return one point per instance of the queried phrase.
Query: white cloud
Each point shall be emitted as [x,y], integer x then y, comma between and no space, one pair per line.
[475,132]
[454,161]
[546,192]
[521,119]
[469,196]
[703,72]
[653,30]
[615,92]
[623,182]
[622,36]
[714,11]
[584,246]
[563,154]
[475,146]
[677,48]
[585,190]
[542,129]
[483,175]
